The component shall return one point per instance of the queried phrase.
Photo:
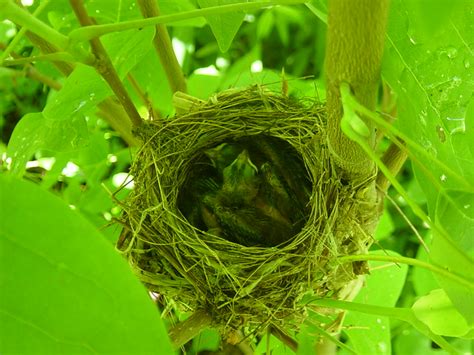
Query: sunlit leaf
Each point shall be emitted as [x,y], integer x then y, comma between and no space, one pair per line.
[35,132]
[126,49]
[437,311]
[225,26]
[370,334]
[64,287]
[434,83]
[455,217]
[423,280]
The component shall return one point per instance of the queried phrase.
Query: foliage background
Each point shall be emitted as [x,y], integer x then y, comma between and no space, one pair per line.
[59,229]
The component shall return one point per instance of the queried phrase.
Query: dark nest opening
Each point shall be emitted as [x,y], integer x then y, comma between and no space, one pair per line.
[200,260]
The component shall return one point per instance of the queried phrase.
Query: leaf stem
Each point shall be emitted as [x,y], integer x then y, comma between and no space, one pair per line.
[183,332]
[105,67]
[410,261]
[163,47]
[23,18]
[21,33]
[86,33]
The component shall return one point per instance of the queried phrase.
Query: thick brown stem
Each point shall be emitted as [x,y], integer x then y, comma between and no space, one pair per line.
[183,332]
[162,43]
[105,67]
[356,33]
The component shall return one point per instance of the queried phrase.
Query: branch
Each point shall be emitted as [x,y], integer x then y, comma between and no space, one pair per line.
[108,109]
[86,33]
[163,47]
[183,332]
[105,67]
[356,34]
[284,338]
[394,158]
[32,73]
[49,48]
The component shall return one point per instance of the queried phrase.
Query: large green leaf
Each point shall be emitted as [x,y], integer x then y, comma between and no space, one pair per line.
[81,92]
[64,288]
[369,334]
[225,26]
[437,311]
[430,69]
[168,7]
[434,83]
[455,217]
[127,49]
[35,132]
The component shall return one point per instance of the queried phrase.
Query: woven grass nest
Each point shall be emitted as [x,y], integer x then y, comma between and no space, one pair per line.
[241,285]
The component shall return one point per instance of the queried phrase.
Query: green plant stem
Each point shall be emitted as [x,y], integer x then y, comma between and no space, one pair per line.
[183,332]
[86,33]
[21,33]
[403,314]
[52,57]
[23,18]
[409,261]
[114,114]
[105,67]
[164,48]
[356,34]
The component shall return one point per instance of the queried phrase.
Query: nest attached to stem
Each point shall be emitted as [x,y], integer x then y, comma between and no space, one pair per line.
[239,285]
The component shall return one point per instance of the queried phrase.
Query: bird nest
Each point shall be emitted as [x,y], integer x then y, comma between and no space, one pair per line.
[240,284]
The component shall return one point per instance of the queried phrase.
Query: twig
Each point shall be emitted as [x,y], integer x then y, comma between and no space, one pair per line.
[32,73]
[393,158]
[113,113]
[105,67]
[183,332]
[110,111]
[48,48]
[142,95]
[162,43]
[284,338]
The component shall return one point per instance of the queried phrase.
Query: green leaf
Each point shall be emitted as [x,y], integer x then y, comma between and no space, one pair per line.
[127,49]
[64,288]
[454,247]
[423,280]
[208,339]
[168,7]
[81,92]
[434,85]
[369,334]
[35,132]
[439,314]
[412,342]
[225,26]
